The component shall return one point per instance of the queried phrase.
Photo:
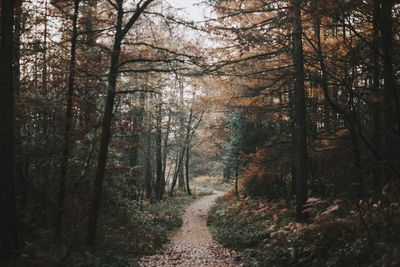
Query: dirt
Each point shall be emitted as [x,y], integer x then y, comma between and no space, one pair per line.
[193,244]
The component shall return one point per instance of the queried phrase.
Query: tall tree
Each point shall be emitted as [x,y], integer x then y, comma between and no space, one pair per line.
[120,32]
[390,95]
[376,76]
[68,123]
[300,111]
[8,230]
[181,174]
[160,181]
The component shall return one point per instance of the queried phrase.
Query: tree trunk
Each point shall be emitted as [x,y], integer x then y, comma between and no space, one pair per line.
[68,125]
[20,177]
[181,175]
[105,136]
[148,176]
[8,230]
[391,106]
[179,160]
[166,151]
[376,113]
[293,140]
[300,107]
[349,119]
[187,170]
[187,149]
[120,33]
[160,183]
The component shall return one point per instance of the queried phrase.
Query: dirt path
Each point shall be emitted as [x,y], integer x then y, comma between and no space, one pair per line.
[193,245]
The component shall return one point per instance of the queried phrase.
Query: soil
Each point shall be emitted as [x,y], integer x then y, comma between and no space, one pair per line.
[193,244]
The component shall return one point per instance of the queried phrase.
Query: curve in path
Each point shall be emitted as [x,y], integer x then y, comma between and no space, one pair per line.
[193,245]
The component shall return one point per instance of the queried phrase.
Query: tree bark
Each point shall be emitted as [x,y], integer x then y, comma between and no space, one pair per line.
[187,151]
[391,105]
[68,125]
[376,113]
[300,107]
[8,230]
[179,160]
[160,183]
[105,140]
[166,151]
[349,118]
[181,174]
[120,33]
[148,176]
[20,177]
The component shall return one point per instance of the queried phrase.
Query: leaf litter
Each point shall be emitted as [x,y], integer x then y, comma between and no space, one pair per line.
[193,244]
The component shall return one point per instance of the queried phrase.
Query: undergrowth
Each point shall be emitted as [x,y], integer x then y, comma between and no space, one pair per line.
[338,233]
[207,184]
[127,231]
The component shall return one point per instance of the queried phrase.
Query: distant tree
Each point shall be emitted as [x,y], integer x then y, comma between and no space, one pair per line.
[235,145]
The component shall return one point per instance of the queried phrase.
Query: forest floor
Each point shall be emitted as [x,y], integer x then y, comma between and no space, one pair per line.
[193,244]
[338,233]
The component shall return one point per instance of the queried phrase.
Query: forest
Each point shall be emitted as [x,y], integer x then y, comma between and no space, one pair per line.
[199,133]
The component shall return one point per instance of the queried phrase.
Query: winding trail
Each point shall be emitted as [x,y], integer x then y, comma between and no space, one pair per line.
[193,245]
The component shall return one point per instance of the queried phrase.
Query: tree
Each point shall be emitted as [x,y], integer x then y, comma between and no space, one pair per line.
[236,145]
[8,223]
[121,30]
[68,123]
[390,94]
[300,112]
[160,179]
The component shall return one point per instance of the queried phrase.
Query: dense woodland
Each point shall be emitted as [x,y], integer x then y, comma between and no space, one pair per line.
[109,110]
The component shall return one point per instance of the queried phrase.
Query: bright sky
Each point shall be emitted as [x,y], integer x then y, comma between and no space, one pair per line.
[192,9]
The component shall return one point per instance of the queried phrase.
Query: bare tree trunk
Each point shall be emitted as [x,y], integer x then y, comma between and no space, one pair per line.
[68,125]
[148,176]
[187,170]
[8,230]
[160,183]
[301,129]
[186,149]
[166,151]
[181,174]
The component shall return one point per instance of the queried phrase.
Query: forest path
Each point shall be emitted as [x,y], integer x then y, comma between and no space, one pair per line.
[193,244]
